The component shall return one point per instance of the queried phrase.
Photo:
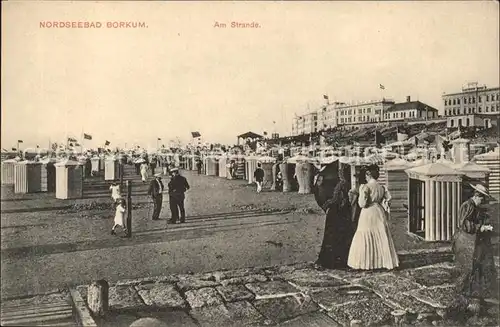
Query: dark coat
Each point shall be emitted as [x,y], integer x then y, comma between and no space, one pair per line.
[177,186]
[474,254]
[154,189]
[259,174]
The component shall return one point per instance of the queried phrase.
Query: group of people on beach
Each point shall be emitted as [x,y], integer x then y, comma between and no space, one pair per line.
[357,234]
[177,186]
[356,230]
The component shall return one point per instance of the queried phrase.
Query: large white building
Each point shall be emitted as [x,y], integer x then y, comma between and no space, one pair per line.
[340,113]
[306,124]
[410,110]
[473,99]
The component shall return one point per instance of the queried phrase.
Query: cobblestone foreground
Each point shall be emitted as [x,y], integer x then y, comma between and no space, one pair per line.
[293,295]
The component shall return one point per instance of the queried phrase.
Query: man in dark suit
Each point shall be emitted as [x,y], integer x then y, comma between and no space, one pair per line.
[177,186]
[156,192]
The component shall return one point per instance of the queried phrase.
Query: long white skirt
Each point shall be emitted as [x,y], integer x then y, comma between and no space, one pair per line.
[144,175]
[372,246]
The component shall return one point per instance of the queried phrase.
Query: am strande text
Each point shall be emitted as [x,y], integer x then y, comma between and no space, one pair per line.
[237,25]
[74,24]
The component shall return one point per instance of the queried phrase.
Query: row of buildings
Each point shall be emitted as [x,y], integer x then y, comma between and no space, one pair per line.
[474,105]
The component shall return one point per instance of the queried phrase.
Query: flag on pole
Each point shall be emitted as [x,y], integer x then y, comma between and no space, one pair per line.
[19,141]
[87,136]
[265,133]
[70,139]
[107,143]
[77,144]
[325,96]
[195,134]
[37,146]
[14,149]
[381,87]
[159,139]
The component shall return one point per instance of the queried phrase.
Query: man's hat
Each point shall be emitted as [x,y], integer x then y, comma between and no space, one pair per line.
[174,170]
[481,189]
[157,175]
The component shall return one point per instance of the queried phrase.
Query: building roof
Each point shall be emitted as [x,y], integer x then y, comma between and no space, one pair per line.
[410,106]
[472,91]
[251,135]
[434,169]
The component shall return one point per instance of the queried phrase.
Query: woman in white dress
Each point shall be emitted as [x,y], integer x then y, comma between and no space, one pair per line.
[144,172]
[372,246]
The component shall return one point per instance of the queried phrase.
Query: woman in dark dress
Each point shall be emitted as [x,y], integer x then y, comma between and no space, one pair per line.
[474,255]
[338,227]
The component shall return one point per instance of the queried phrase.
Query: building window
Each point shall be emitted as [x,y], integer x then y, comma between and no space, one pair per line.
[479,109]
[460,122]
[369,110]
[454,113]
[458,101]
[479,99]
[487,109]
[454,102]
[487,97]
[473,99]
[452,122]
[467,122]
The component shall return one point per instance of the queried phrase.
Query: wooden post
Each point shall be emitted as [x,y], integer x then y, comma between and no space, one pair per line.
[129,209]
[98,298]
[121,174]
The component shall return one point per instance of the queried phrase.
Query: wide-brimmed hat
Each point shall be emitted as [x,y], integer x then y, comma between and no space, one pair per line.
[174,170]
[481,189]
[157,175]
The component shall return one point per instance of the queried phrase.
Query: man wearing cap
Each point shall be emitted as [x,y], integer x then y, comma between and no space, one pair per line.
[156,192]
[177,186]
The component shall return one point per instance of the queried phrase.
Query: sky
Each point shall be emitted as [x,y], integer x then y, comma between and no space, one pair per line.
[181,74]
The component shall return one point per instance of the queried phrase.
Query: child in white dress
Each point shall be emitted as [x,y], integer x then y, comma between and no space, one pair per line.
[120,214]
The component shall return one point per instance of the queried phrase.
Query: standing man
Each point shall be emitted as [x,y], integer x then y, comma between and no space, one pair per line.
[199,164]
[177,186]
[156,192]
[259,177]
[152,164]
